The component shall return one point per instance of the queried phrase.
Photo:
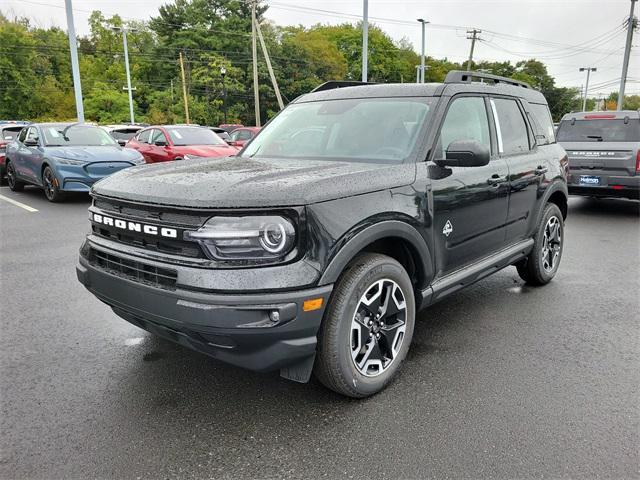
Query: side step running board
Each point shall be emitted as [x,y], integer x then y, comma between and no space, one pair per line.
[462,278]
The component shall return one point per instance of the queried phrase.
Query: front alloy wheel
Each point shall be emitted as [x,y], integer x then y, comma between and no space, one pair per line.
[378,327]
[367,327]
[50,185]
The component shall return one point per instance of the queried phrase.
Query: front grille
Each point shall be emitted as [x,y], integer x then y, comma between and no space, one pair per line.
[173,247]
[133,270]
[153,215]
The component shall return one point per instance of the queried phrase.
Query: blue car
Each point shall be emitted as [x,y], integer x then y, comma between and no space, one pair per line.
[64,157]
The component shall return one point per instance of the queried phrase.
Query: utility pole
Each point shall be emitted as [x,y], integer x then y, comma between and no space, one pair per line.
[422,58]
[586,86]
[274,82]
[365,40]
[73,47]
[474,36]
[254,51]
[126,67]
[631,25]
[184,91]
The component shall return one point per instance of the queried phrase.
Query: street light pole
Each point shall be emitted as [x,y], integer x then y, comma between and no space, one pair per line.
[365,40]
[75,69]
[422,58]
[126,67]
[223,73]
[586,86]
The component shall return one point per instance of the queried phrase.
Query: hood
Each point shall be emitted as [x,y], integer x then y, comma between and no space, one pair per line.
[107,153]
[222,150]
[244,182]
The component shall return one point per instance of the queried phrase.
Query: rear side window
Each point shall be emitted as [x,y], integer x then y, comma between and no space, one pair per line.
[542,121]
[511,129]
[23,135]
[599,130]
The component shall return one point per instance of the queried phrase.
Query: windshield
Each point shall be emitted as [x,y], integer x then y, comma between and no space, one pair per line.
[75,135]
[181,136]
[380,130]
[599,131]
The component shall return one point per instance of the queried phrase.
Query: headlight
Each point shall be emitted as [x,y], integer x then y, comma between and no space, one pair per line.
[138,161]
[261,238]
[189,156]
[68,161]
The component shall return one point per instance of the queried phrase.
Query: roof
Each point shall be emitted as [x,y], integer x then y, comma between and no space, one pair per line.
[610,114]
[383,90]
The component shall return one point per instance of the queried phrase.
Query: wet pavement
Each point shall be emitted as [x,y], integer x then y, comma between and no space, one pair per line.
[502,380]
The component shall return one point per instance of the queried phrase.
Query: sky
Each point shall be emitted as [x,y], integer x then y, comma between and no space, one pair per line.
[565,34]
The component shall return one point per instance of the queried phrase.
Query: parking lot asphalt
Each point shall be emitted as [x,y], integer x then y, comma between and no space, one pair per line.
[502,381]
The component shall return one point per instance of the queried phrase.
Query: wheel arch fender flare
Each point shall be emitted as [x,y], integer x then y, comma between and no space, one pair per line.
[381,230]
[557,186]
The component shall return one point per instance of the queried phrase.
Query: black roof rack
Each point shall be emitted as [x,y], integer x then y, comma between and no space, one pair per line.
[332,84]
[458,76]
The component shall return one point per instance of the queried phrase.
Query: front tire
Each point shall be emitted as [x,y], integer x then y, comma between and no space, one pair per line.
[367,328]
[12,178]
[51,186]
[542,264]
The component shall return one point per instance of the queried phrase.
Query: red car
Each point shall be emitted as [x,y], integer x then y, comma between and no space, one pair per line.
[242,135]
[179,142]
[8,133]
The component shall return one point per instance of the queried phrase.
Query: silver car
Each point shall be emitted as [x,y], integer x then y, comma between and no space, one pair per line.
[604,153]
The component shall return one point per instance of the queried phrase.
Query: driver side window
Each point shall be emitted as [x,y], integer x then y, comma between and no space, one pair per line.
[143,137]
[33,134]
[466,119]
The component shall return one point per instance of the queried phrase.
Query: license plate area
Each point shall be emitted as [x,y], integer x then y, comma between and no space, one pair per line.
[589,180]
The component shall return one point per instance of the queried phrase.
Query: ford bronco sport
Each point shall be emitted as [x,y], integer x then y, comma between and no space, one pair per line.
[353,209]
[604,153]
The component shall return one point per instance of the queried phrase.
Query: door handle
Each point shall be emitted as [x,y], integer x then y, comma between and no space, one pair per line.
[496,180]
[540,170]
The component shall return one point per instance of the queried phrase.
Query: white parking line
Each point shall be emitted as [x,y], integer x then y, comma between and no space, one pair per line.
[18,204]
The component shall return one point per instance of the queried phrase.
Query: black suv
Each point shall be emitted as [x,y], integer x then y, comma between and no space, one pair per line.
[353,209]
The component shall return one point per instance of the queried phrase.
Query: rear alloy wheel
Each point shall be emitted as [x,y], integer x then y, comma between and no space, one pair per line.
[12,178]
[542,263]
[367,327]
[51,185]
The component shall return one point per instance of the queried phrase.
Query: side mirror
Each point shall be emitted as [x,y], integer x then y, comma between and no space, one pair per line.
[465,153]
[160,143]
[30,142]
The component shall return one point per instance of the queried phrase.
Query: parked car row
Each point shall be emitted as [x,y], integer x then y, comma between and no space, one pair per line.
[71,157]
[603,150]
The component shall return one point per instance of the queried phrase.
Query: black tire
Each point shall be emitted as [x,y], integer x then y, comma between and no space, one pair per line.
[51,186]
[542,264]
[341,327]
[12,179]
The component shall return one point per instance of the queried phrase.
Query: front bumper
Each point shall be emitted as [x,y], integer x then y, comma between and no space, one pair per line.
[77,178]
[235,328]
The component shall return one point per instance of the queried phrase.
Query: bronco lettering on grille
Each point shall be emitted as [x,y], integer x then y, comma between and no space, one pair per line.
[135,226]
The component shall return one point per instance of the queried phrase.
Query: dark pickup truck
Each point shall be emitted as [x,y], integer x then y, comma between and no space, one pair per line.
[357,206]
